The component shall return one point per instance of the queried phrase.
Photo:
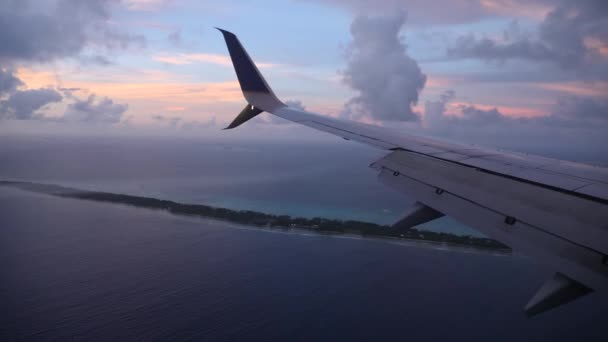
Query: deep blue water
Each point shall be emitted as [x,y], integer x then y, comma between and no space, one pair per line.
[79,270]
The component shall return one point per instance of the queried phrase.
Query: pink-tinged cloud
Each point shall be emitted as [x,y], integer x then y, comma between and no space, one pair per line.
[175,108]
[592,89]
[597,45]
[150,85]
[455,109]
[516,8]
[439,82]
[191,58]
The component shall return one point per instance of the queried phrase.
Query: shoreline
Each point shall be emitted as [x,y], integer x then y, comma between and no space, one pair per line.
[271,222]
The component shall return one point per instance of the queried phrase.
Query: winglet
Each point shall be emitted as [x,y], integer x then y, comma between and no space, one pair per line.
[245,115]
[255,89]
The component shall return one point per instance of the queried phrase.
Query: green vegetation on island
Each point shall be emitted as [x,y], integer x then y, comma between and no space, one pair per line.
[258,219]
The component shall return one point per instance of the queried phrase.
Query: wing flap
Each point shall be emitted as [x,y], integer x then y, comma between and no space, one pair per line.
[557,290]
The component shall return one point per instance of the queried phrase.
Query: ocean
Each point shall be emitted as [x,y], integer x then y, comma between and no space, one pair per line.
[81,270]
[298,179]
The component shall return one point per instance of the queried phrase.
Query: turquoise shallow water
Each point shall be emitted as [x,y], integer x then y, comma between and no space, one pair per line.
[309,180]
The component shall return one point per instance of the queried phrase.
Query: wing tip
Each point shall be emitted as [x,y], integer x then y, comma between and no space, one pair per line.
[223,31]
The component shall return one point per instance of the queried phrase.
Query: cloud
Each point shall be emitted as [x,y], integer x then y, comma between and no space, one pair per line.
[572,34]
[27,104]
[69,92]
[423,12]
[573,123]
[198,125]
[92,111]
[8,82]
[24,104]
[379,69]
[175,38]
[573,111]
[435,110]
[35,31]
[576,110]
[171,122]
[295,104]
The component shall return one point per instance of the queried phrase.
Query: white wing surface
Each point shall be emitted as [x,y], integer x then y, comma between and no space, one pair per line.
[554,210]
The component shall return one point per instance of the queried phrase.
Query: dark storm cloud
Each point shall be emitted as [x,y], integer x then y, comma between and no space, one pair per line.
[560,38]
[92,111]
[43,31]
[25,104]
[379,69]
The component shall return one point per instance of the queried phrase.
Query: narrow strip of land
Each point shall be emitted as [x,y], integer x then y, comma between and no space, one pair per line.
[258,219]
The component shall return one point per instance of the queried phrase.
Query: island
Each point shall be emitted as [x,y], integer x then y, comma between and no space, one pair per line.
[264,220]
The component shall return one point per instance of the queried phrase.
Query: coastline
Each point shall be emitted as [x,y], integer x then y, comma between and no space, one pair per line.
[258,220]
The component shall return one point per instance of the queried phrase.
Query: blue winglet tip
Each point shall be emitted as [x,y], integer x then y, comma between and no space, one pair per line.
[224,32]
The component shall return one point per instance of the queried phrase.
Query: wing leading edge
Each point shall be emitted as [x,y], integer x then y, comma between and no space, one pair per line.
[553,210]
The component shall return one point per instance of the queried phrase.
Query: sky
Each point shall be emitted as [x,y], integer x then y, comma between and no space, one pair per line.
[529,75]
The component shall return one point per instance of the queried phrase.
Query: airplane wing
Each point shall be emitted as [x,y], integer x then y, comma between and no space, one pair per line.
[553,210]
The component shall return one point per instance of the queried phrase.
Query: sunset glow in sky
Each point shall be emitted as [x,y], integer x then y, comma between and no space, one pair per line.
[536,67]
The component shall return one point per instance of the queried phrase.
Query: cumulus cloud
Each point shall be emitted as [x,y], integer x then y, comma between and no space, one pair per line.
[434,110]
[24,104]
[422,11]
[8,81]
[379,69]
[573,33]
[29,104]
[89,110]
[35,31]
